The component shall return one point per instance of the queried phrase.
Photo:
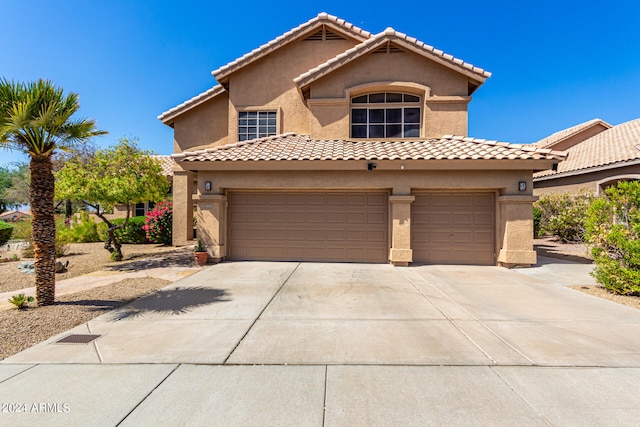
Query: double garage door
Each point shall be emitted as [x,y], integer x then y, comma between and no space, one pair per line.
[446,228]
[330,226]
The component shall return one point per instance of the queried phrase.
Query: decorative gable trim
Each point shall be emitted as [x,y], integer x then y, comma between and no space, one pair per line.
[323,19]
[384,40]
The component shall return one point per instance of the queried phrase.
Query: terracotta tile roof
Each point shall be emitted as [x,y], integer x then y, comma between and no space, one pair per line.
[291,146]
[401,39]
[167,163]
[169,115]
[323,18]
[569,132]
[618,146]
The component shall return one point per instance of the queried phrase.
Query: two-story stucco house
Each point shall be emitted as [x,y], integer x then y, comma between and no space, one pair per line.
[329,143]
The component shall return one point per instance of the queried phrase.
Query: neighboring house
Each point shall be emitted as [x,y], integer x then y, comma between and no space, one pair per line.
[141,209]
[604,157]
[13,216]
[326,144]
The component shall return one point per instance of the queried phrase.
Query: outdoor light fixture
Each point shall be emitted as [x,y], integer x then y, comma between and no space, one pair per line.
[207,186]
[371,166]
[522,186]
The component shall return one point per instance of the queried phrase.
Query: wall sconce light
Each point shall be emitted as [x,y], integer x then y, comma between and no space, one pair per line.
[371,166]
[522,186]
[207,186]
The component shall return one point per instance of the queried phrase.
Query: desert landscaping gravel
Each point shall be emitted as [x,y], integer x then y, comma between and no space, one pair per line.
[22,329]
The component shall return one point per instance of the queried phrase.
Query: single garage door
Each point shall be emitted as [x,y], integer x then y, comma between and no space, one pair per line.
[328,226]
[453,228]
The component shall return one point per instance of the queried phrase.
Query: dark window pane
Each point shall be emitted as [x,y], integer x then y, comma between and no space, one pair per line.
[376,97]
[262,130]
[272,114]
[252,114]
[251,129]
[272,130]
[376,115]
[376,131]
[251,136]
[271,122]
[411,98]
[394,115]
[242,114]
[360,99]
[242,122]
[394,97]
[394,131]
[412,115]
[411,131]
[358,115]
[242,137]
[358,131]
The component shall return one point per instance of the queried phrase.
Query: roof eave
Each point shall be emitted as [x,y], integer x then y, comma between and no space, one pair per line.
[223,73]
[587,170]
[168,116]
[361,165]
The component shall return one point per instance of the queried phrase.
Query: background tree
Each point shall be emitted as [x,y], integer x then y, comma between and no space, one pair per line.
[17,192]
[123,174]
[5,182]
[36,118]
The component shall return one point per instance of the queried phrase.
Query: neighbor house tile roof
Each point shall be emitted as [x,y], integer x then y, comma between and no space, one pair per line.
[618,146]
[293,147]
[569,132]
[169,115]
[323,18]
[391,35]
[167,163]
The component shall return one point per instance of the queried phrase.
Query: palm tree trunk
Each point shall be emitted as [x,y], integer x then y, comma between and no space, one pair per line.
[41,194]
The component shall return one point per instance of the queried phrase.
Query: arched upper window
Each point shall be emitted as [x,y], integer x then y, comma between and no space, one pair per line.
[385,115]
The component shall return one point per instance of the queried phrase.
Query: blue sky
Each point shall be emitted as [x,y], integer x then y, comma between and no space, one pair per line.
[555,63]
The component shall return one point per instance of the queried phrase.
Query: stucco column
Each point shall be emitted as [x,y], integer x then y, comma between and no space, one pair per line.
[517,237]
[182,207]
[401,253]
[211,214]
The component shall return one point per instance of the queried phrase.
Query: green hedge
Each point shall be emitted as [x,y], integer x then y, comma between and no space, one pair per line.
[132,233]
[5,232]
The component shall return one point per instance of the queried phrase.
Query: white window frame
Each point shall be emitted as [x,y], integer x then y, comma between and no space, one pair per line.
[256,123]
[385,105]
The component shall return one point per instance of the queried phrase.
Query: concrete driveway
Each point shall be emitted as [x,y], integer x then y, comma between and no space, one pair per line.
[347,344]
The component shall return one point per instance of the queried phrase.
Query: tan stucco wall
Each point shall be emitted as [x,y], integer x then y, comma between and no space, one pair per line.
[573,184]
[268,83]
[443,93]
[516,222]
[204,126]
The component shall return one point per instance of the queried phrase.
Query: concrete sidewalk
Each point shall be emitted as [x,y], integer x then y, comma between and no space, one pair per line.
[343,344]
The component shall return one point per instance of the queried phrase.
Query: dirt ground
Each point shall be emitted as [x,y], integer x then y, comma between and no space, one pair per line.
[83,258]
[22,329]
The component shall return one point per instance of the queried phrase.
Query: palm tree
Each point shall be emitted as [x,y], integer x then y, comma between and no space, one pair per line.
[35,118]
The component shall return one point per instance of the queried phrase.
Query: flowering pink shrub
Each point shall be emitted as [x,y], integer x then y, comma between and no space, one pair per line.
[159,223]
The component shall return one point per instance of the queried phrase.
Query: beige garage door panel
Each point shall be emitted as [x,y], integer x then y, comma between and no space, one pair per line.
[453,228]
[308,226]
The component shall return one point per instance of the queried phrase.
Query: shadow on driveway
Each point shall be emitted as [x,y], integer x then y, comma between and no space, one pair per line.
[171,301]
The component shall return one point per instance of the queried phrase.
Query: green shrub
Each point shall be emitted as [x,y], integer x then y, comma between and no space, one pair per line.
[20,300]
[132,233]
[537,217]
[22,229]
[563,215]
[5,232]
[82,230]
[159,223]
[613,232]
